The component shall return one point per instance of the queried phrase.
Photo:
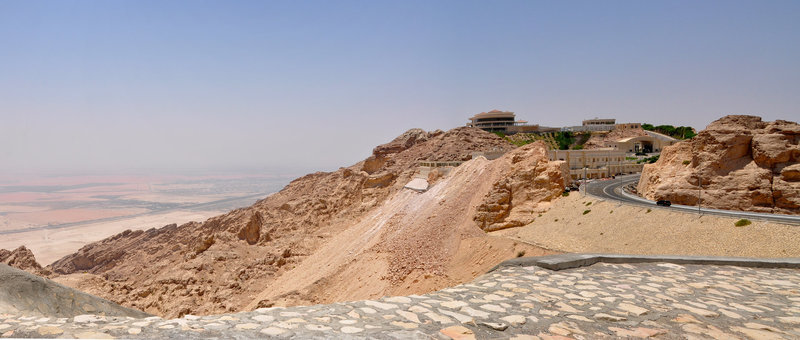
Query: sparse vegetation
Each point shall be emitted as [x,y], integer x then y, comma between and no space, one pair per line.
[521,253]
[681,132]
[565,193]
[611,212]
[743,222]
[586,211]
[648,210]
[631,158]
[687,162]
[648,160]
[588,203]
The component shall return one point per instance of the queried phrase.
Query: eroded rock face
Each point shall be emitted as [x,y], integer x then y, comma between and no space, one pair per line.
[522,192]
[22,258]
[252,231]
[742,163]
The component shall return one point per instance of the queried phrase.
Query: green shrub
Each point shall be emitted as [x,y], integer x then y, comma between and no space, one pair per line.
[687,162]
[586,211]
[648,210]
[521,253]
[588,203]
[565,193]
[743,222]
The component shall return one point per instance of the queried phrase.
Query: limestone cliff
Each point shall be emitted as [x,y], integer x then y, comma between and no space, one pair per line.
[742,163]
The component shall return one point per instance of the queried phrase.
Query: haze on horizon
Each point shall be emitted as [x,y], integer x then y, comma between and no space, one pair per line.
[203,85]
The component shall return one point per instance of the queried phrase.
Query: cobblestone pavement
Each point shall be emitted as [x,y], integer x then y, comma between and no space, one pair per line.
[658,300]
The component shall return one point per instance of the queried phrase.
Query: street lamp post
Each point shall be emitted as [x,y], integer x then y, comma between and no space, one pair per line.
[699,192]
[584,182]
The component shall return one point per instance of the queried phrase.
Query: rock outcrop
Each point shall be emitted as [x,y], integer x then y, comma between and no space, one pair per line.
[206,268]
[22,258]
[530,181]
[737,163]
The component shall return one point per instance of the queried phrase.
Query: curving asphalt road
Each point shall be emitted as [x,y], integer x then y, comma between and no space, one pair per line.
[612,190]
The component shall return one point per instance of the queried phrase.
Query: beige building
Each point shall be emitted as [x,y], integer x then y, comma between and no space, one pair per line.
[652,143]
[595,163]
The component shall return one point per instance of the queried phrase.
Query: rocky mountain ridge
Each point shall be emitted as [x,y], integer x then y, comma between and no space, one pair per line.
[219,265]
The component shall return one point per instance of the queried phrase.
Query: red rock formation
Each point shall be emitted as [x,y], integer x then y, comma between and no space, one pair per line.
[742,162]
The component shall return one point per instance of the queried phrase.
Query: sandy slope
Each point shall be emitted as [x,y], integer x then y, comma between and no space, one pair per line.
[611,227]
[415,243]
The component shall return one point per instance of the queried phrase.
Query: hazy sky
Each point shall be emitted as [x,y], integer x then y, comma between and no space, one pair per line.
[197,85]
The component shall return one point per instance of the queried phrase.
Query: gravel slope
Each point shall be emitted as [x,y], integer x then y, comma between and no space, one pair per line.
[611,227]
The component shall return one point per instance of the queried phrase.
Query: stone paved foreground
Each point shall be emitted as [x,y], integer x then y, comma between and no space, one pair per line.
[600,301]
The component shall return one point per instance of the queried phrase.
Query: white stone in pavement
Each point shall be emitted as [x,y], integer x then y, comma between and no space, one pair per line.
[134,331]
[247,326]
[698,311]
[498,326]
[493,308]
[380,305]
[438,318]
[460,317]
[419,309]
[264,318]
[291,314]
[454,304]
[634,310]
[514,319]
[398,299]
[493,297]
[368,310]
[406,325]
[408,316]
[273,331]
[474,312]
[351,330]
[566,308]
[88,318]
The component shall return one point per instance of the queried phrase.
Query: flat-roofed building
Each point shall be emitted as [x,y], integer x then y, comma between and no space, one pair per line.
[495,121]
[595,163]
[599,121]
[597,124]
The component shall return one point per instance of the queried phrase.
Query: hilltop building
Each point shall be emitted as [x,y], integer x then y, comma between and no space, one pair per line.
[494,121]
[505,122]
[618,157]
[597,124]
